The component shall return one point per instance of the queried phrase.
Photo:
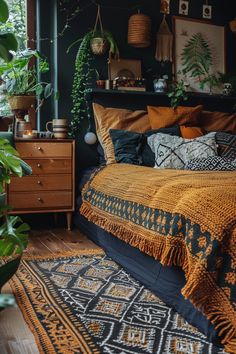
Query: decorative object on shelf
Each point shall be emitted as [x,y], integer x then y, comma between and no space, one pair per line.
[164,42]
[139,30]
[85,76]
[59,128]
[130,68]
[160,85]
[232,25]
[183,7]
[227,89]
[98,43]
[165,6]
[130,84]
[178,94]
[90,138]
[101,83]
[27,134]
[207,11]
[196,61]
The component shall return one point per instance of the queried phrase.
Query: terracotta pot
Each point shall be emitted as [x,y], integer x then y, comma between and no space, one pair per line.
[21,102]
[101,83]
[232,25]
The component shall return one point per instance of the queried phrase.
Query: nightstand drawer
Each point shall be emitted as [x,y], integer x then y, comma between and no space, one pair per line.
[44,149]
[41,183]
[40,200]
[50,165]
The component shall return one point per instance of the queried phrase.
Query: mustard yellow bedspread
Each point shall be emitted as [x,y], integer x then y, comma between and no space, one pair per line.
[183,218]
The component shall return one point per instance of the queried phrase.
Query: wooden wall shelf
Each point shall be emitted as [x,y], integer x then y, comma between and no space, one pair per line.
[140,99]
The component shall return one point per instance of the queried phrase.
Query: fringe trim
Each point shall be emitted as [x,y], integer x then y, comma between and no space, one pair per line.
[200,286]
[64,254]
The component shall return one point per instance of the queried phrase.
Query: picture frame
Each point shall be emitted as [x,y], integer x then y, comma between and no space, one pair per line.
[214,35]
[129,68]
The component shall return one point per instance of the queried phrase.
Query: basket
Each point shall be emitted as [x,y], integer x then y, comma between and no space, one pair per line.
[21,102]
[139,31]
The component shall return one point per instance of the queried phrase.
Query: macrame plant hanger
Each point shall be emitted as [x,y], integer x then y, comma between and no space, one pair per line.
[98,42]
[164,42]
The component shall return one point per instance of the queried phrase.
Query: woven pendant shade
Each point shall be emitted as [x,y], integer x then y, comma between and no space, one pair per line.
[139,31]
[164,43]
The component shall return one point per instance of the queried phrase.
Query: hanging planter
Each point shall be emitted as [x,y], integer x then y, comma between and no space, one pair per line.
[98,43]
[139,31]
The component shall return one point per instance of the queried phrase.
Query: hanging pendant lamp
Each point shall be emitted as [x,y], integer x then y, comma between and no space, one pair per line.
[139,31]
[164,42]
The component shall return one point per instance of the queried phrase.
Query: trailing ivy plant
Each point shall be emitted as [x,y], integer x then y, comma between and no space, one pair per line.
[85,76]
[197,61]
[178,94]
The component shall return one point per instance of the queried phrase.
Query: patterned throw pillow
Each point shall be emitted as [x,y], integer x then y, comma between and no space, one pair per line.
[226,145]
[213,163]
[175,152]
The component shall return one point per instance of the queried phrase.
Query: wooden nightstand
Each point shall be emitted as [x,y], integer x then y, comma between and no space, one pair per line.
[51,187]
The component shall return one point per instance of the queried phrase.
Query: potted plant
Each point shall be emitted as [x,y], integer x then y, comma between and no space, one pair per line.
[85,75]
[178,94]
[13,232]
[22,83]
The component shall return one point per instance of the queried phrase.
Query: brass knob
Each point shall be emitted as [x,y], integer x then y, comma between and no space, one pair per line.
[39,148]
[39,199]
[39,182]
[38,165]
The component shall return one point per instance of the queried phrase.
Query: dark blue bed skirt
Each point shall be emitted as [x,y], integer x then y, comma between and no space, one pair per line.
[165,282]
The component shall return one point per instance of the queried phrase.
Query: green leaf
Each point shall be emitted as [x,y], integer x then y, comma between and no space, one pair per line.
[4,13]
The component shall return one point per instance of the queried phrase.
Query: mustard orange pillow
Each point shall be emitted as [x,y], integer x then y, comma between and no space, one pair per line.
[163,117]
[107,118]
[191,132]
[217,121]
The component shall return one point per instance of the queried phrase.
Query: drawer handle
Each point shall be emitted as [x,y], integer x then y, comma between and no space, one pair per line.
[39,182]
[39,199]
[38,165]
[39,148]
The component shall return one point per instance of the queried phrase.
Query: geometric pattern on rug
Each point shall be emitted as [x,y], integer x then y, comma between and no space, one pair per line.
[90,304]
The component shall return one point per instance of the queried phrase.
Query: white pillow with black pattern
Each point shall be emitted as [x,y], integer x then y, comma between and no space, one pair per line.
[175,152]
[214,163]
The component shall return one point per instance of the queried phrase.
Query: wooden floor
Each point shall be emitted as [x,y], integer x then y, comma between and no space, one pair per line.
[15,337]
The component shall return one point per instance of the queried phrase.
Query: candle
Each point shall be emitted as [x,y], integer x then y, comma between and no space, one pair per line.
[28,134]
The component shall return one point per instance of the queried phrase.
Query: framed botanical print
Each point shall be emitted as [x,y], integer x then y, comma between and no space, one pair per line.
[199,53]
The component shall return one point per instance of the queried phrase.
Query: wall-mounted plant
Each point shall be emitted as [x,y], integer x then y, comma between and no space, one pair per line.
[85,75]
[197,61]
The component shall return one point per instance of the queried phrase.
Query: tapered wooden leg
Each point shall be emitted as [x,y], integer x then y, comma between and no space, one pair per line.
[69,219]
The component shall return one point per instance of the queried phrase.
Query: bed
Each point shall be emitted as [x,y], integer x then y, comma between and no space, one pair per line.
[154,223]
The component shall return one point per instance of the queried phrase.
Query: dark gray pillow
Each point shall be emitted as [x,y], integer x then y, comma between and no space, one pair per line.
[212,163]
[131,147]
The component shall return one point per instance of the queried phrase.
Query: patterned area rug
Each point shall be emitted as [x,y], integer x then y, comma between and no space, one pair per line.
[88,304]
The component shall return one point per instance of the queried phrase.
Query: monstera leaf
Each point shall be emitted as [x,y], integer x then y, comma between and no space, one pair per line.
[196,57]
[8,41]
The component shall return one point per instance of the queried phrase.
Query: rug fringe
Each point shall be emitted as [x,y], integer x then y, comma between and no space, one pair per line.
[64,254]
[199,286]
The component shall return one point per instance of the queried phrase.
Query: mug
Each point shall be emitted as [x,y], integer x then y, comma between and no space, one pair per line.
[59,128]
